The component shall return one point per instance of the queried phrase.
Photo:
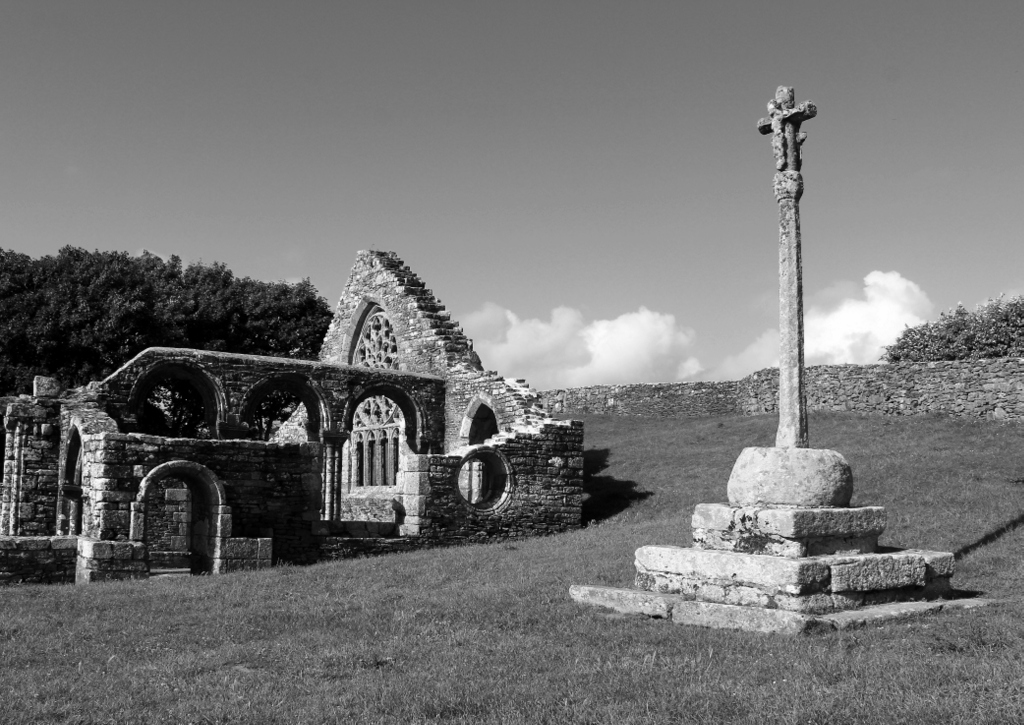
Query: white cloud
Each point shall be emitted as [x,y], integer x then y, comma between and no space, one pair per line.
[641,346]
[857,329]
[848,325]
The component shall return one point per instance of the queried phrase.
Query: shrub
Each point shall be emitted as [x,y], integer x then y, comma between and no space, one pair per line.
[994,329]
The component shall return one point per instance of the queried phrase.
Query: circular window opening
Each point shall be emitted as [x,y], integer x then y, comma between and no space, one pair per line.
[483,480]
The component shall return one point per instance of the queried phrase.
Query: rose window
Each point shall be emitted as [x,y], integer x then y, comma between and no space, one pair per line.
[377,346]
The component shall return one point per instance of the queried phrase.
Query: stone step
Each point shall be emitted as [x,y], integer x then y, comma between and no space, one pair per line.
[155,573]
[680,609]
[810,585]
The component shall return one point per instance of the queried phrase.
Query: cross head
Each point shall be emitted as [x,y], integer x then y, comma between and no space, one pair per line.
[783,122]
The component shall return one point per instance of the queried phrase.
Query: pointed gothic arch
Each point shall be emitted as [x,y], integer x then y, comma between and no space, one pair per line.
[372,340]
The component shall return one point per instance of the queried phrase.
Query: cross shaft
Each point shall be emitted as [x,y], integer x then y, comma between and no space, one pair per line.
[783,123]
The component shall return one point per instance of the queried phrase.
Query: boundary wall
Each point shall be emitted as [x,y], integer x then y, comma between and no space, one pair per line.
[991,388]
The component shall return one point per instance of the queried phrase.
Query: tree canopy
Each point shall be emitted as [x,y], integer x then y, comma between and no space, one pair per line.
[79,315]
[994,329]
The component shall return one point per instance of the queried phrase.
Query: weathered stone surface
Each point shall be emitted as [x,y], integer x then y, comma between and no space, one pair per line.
[750,619]
[856,618]
[684,610]
[790,532]
[771,574]
[879,571]
[44,387]
[626,601]
[792,522]
[811,477]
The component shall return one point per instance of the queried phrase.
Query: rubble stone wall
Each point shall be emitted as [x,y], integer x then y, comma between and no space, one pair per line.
[271,489]
[962,388]
[650,400]
[28,497]
[38,559]
[544,493]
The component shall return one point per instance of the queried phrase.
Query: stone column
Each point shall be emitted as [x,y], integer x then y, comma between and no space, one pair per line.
[792,433]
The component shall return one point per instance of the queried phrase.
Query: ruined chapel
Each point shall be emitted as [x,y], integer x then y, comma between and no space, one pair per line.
[402,440]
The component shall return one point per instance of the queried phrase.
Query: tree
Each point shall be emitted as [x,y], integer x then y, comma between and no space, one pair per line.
[994,329]
[80,315]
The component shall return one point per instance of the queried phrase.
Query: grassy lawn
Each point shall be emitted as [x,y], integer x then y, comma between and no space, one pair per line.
[487,634]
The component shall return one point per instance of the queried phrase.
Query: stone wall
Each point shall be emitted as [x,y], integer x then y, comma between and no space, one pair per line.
[272,489]
[963,388]
[28,496]
[650,400]
[38,559]
[429,340]
[544,491]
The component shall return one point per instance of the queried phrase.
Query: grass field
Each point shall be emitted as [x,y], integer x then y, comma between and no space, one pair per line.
[487,634]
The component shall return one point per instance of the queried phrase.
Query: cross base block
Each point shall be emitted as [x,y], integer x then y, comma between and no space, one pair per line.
[788,531]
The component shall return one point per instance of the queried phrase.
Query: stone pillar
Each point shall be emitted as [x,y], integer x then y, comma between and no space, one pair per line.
[792,433]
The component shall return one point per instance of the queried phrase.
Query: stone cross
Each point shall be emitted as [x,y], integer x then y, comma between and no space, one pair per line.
[783,123]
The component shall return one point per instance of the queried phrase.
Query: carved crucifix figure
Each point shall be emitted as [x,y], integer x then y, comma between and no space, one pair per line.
[783,123]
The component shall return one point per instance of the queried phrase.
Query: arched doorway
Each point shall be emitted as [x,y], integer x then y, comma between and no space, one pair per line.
[180,515]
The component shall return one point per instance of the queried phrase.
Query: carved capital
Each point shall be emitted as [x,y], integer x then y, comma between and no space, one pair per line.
[789,185]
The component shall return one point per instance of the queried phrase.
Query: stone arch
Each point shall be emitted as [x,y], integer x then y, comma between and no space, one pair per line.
[70,494]
[410,411]
[200,513]
[318,413]
[479,422]
[209,389]
[357,336]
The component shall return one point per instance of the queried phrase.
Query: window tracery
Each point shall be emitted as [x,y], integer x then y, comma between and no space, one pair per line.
[374,446]
[377,346]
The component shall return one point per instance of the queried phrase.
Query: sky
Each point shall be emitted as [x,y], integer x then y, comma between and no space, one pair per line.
[581,183]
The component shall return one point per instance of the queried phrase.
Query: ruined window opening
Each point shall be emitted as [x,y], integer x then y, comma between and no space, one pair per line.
[376,346]
[173,407]
[274,409]
[483,480]
[70,520]
[484,425]
[375,443]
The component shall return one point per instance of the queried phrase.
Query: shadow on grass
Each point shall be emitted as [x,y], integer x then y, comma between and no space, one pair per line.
[605,496]
[989,538]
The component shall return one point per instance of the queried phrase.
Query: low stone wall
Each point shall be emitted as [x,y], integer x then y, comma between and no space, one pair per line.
[650,400]
[962,388]
[38,559]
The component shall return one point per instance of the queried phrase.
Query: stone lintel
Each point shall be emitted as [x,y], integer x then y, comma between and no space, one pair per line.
[792,522]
